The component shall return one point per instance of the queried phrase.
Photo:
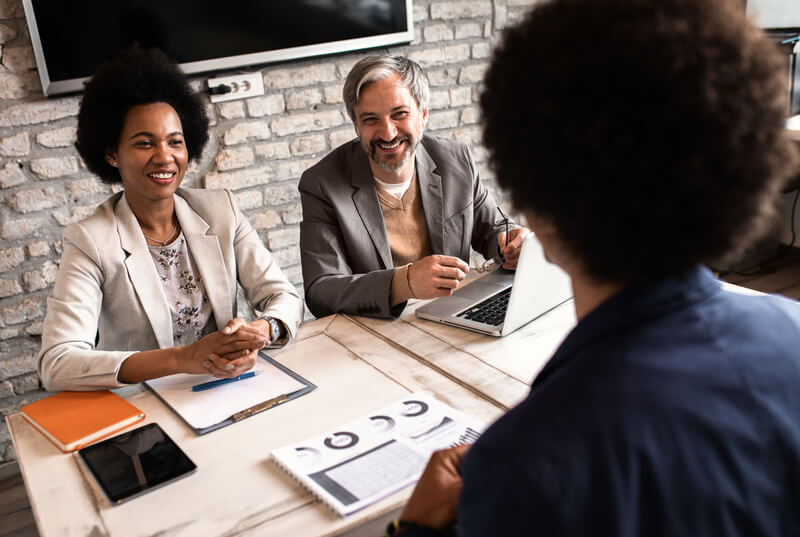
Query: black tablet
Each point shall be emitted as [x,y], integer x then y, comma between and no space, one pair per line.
[136,462]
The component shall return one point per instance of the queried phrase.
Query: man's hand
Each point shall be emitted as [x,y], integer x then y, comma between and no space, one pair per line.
[511,251]
[436,275]
[434,502]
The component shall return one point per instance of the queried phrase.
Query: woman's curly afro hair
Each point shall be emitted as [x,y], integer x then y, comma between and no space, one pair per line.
[136,76]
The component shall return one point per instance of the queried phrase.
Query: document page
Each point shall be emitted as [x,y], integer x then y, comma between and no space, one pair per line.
[377,455]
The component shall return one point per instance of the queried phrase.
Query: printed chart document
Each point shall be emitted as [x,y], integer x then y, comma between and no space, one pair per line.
[207,410]
[370,458]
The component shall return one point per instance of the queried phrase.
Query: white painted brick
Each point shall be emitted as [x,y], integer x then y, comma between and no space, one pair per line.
[87,187]
[34,329]
[26,311]
[6,390]
[305,98]
[295,77]
[37,249]
[443,77]
[12,86]
[265,106]
[461,10]
[52,167]
[265,220]
[239,179]
[333,94]
[472,73]
[308,145]
[283,238]
[443,120]
[438,56]
[420,12]
[292,169]
[468,29]
[341,136]
[249,199]
[63,137]
[286,257]
[26,384]
[470,115]
[315,121]
[278,195]
[487,29]
[40,278]
[344,66]
[437,32]
[211,114]
[10,258]
[274,150]
[16,145]
[38,112]
[7,33]
[9,333]
[469,135]
[521,2]
[242,132]
[235,158]
[18,59]
[9,288]
[481,51]
[18,228]
[36,199]
[10,9]
[461,96]
[292,214]
[231,109]
[439,99]
[76,215]
[295,276]
[11,175]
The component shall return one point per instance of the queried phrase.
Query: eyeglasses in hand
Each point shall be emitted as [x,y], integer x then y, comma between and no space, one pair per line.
[497,261]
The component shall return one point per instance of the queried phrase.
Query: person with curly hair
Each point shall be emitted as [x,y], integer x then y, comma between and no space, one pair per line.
[147,285]
[643,140]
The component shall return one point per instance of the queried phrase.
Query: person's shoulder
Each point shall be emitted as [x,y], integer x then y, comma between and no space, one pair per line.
[337,162]
[97,223]
[439,147]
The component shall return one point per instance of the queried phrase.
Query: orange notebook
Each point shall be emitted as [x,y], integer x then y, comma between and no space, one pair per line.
[72,420]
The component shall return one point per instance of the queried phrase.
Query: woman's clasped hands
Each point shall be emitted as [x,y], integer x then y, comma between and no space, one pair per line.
[228,352]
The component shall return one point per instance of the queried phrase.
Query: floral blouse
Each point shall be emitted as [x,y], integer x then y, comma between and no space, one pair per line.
[192,317]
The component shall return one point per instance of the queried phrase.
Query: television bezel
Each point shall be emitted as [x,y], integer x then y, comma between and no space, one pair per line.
[226,63]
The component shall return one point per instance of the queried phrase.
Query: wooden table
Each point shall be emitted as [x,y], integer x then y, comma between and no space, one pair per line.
[358,364]
[498,369]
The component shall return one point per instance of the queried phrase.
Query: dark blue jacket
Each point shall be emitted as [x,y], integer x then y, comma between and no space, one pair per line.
[673,409]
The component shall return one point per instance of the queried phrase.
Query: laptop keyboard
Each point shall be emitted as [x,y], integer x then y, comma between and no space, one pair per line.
[491,311]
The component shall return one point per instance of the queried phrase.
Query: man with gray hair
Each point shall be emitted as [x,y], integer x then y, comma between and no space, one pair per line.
[391,215]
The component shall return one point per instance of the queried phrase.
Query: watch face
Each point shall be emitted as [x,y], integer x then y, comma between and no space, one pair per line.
[275,329]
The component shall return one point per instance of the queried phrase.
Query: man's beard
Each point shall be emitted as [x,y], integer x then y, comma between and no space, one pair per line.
[372,151]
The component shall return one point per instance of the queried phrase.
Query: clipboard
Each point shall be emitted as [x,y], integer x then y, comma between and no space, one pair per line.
[209,410]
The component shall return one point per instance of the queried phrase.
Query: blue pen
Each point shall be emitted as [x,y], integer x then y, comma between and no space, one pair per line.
[220,382]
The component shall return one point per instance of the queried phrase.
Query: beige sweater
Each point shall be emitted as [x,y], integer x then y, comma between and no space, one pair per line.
[408,235]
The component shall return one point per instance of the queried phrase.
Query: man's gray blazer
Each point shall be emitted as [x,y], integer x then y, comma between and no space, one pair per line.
[347,262]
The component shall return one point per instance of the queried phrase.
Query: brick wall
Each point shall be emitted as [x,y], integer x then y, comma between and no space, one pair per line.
[258,149]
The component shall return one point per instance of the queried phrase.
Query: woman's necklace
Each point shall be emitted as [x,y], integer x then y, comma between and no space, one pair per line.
[164,242]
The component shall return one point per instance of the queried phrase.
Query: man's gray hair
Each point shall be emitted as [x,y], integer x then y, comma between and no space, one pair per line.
[374,68]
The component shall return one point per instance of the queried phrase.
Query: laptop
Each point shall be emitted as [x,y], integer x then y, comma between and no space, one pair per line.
[503,300]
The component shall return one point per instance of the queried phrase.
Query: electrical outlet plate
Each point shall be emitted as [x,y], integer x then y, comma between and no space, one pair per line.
[243,85]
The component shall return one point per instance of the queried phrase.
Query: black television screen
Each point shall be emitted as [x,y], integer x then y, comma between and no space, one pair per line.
[70,38]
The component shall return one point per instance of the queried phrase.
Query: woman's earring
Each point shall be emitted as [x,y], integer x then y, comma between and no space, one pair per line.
[114,163]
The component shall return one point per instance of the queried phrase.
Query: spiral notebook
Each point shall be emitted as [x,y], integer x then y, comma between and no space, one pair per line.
[377,455]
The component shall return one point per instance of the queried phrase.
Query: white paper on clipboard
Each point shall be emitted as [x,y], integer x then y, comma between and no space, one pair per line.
[208,408]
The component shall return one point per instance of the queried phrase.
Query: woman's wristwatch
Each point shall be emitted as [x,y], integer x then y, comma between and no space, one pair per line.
[274,329]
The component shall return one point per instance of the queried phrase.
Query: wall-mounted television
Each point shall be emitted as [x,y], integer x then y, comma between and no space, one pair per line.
[70,38]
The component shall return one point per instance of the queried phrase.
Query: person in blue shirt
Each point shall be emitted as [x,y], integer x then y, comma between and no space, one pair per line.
[643,141]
